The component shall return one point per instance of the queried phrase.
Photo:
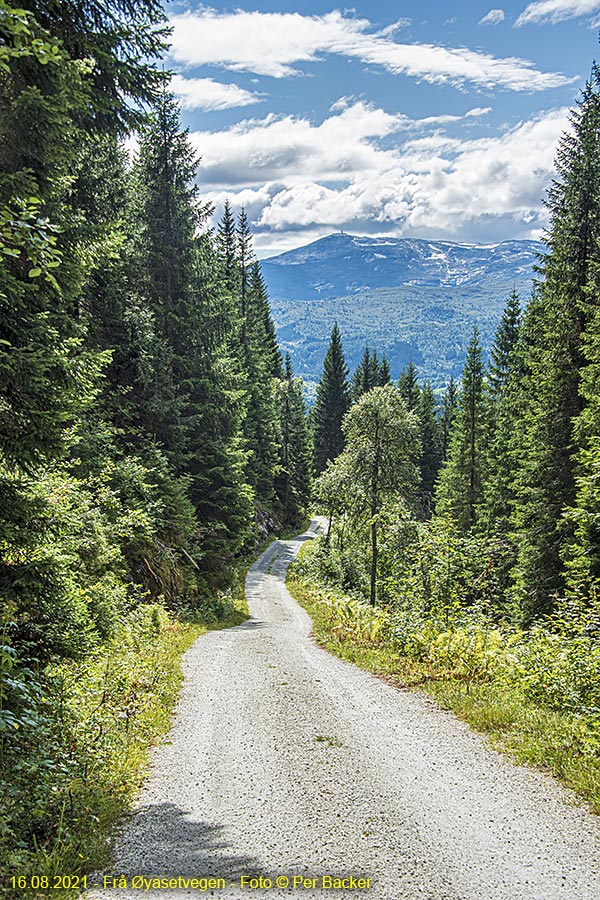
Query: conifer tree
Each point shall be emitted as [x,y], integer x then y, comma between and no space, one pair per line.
[459,488]
[430,457]
[227,249]
[331,404]
[366,375]
[503,348]
[560,313]
[449,408]
[384,375]
[408,384]
[191,398]
[262,322]
[293,480]
[245,258]
[502,421]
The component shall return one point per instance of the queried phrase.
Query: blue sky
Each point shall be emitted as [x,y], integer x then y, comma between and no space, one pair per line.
[419,119]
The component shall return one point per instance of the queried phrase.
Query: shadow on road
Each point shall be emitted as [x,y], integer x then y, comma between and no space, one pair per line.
[162,840]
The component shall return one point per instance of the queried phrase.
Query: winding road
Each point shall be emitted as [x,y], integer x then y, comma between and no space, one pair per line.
[285,762]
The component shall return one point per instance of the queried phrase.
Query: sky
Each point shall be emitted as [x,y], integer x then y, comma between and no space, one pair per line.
[405,119]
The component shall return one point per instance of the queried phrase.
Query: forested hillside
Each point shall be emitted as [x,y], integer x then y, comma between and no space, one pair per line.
[415,300]
[149,431]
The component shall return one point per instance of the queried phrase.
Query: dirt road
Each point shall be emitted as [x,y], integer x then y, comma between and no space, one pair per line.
[285,762]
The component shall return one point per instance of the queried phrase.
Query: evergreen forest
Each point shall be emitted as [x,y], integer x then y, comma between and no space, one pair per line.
[152,437]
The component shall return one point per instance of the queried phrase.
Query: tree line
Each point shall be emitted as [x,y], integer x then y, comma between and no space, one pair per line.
[498,478]
[149,429]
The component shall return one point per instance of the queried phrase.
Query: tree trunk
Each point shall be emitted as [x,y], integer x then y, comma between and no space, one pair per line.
[373,559]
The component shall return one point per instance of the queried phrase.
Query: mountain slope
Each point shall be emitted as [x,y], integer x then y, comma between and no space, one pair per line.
[412,299]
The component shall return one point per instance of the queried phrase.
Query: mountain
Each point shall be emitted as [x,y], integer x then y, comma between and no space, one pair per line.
[410,298]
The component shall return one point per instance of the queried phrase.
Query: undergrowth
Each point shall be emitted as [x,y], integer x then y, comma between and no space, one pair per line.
[75,756]
[535,692]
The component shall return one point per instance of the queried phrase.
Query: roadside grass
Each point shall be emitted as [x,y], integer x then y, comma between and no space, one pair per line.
[563,744]
[115,706]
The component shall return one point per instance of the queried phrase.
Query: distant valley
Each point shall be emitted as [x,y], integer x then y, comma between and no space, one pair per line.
[410,298]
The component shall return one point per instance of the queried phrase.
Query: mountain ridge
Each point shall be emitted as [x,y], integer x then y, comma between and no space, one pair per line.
[341,264]
[410,298]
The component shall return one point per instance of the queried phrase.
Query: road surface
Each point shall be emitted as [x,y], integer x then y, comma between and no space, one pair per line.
[285,762]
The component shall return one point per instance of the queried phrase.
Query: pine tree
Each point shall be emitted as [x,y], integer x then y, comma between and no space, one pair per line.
[449,409]
[331,404]
[384,375]
[293,482]
[430,458]
[408,383]
[245,258]
[459,488]
[560,313]
[502,421]
[366,375]
[226,243]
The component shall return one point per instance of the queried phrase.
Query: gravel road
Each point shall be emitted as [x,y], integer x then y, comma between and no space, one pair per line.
[285,761]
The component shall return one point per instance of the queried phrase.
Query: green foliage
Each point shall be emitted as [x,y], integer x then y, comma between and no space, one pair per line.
[294,479]
[460,487]
[331,404]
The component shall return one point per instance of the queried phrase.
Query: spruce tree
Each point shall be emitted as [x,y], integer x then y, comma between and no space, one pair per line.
[384,375]
[408,383]
[449,409]
[459,488]
[559,314]
[502,421]
[245,258]
[227,249]
[430,457]
[294,478]
[367,374]
[331,404]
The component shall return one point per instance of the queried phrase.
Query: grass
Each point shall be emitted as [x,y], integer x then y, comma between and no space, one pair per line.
[116,705]
[559,743]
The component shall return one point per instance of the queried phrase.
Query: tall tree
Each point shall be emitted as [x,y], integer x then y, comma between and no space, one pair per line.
[331,404]
[560,313]
[294,476]
[449,409]
[378,462]
[245,258]
[366,375]
[430,457]
[408,383]
[502,421]
[460,485]
[227,248]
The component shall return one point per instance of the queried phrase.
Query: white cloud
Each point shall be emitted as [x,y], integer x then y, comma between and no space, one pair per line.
[273,43]
[337,175]
[205,93]
[494,17]
[291,149]
[553,11]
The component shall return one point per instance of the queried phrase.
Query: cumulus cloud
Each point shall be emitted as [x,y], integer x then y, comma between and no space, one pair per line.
[205,93]
[274,43]
[315,178]
[553,11]
[494,17]
[293,149]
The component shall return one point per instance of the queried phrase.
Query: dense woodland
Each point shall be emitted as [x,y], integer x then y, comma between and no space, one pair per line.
[151,434]
[149,429]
